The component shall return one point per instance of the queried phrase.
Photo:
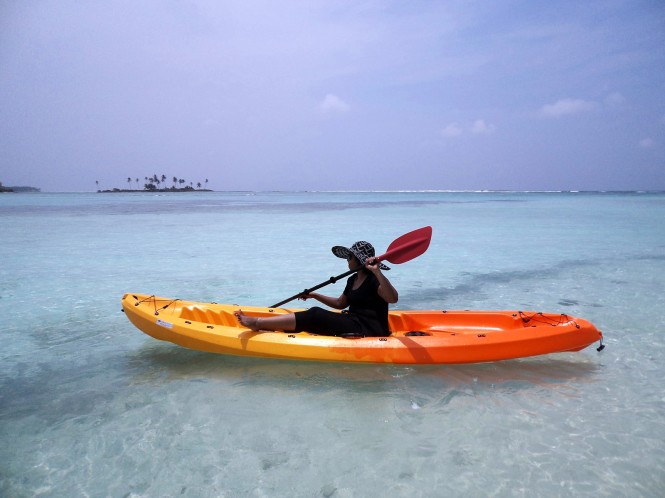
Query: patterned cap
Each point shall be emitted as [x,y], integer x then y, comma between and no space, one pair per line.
[361,250]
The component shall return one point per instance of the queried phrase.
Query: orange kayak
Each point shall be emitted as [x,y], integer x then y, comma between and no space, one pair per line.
[418,337]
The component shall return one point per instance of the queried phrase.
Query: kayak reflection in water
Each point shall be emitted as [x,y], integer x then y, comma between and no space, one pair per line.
[367,295]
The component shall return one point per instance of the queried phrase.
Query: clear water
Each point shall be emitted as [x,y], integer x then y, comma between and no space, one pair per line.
[89,406]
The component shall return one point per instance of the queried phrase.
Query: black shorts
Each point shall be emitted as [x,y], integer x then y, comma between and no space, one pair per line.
[323,322]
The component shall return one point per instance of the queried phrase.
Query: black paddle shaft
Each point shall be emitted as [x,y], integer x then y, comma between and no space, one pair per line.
[331,280]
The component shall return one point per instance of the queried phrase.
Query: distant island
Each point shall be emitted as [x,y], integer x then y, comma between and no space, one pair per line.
[152,184]
[17,189]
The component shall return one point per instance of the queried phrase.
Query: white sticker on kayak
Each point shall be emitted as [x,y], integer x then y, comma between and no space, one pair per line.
[168,325]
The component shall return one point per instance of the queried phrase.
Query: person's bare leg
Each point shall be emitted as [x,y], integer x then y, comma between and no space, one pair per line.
[277,322]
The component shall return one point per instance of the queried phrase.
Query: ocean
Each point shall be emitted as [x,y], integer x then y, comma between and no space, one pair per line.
[90,406]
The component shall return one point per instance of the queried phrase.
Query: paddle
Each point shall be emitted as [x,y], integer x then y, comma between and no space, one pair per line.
[402,249]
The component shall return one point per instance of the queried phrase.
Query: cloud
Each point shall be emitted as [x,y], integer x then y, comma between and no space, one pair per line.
[566,107]
[647,143]
[452,130]
[480,127]
[332,104]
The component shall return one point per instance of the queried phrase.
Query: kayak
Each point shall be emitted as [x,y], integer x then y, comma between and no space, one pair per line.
[417,337]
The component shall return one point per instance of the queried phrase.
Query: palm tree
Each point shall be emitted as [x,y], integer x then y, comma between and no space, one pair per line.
[129,182]
[175,180]
[137,184]
[206,183]
[198,185]
[97,183]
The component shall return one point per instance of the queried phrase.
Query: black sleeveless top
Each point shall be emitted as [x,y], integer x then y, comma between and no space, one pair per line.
[365,303]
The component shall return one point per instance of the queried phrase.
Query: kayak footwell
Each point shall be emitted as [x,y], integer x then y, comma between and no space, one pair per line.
[418,337]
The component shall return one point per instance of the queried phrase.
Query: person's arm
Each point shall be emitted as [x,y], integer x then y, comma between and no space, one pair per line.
[386,290]
[338,303]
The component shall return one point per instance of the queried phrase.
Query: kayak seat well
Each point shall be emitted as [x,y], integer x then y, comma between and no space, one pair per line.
[205,315]
[221,317]
[402,322]
[453,322]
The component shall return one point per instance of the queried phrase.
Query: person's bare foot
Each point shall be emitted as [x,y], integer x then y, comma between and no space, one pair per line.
[251,322]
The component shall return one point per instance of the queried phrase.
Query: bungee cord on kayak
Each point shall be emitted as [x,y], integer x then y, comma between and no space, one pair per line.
[154,300]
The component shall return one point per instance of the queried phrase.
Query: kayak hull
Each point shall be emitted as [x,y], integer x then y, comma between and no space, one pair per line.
[418,337]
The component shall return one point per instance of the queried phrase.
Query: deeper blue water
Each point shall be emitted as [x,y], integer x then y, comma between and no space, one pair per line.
[89,406]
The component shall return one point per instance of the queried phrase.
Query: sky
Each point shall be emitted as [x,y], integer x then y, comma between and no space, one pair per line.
[333,95]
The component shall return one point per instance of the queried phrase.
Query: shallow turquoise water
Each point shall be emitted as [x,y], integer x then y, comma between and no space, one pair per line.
[90,406]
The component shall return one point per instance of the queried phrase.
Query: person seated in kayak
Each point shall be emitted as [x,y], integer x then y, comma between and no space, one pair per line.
[367,295]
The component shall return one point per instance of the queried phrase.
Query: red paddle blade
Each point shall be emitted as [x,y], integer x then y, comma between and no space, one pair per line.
[408,246]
